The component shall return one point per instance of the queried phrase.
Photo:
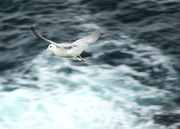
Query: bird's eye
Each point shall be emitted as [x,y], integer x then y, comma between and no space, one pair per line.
[50,46]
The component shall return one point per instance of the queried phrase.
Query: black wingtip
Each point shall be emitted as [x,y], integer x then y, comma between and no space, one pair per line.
[34,31]
[32,28]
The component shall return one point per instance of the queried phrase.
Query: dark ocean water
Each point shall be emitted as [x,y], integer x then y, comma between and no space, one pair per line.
[131,82]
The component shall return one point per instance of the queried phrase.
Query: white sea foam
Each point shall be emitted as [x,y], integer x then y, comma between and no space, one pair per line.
[92,97]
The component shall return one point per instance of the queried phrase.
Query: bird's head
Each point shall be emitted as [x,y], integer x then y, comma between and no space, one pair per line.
[51,47]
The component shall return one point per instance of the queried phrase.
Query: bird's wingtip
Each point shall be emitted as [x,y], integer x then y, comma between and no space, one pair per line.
[98,30]
[34,31]
[32,28]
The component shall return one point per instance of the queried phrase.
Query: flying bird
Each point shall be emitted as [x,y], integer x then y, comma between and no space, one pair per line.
[70,50]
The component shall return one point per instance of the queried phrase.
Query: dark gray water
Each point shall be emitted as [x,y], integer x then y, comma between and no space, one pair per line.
[131,82]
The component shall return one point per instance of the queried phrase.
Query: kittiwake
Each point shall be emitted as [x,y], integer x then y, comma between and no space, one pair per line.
[72,50]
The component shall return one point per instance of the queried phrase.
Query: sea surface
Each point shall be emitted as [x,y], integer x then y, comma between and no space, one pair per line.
[132,79]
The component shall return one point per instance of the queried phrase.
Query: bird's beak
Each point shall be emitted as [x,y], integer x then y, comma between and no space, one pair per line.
[47,50]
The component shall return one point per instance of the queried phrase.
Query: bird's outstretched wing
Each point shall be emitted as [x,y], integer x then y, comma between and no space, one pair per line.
[92,37]
[80,42]
[89,39]
[38,35]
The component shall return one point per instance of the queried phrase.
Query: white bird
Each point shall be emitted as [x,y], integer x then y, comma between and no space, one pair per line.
[72,50]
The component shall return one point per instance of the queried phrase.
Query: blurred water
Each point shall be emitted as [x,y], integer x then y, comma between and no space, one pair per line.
[132,80]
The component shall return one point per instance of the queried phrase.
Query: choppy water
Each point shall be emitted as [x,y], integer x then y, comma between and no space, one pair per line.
[131,82]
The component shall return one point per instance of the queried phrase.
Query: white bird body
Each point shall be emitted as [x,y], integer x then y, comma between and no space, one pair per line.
[69,53]
[74,49]
[62,53]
